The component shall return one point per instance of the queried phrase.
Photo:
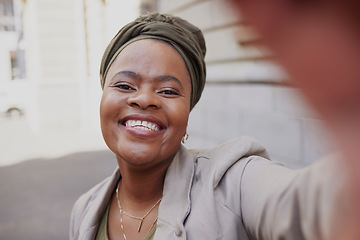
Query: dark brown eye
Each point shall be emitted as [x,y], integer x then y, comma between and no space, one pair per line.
[169,92]
[124,86]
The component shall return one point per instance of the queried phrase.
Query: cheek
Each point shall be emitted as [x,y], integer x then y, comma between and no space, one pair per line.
[103,108]
[103,118]
[108,110]
[181,116]
[110,101]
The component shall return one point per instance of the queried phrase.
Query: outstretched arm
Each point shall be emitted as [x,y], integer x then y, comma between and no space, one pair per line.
[279,203]
[318,42]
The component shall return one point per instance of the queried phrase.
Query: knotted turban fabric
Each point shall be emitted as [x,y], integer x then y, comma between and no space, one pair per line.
[187,39]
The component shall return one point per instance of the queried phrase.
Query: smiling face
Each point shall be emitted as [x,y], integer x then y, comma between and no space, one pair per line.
[145,104]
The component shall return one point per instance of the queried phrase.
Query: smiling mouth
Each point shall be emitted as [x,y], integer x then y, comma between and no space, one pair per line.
[142,125]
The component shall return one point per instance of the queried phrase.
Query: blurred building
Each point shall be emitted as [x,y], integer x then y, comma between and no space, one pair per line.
[13,82]
[52,50]
[246,92]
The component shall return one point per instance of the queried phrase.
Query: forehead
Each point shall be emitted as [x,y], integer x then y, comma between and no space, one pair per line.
[150,57]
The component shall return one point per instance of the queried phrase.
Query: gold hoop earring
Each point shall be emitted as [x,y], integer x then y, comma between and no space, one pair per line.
[185,138]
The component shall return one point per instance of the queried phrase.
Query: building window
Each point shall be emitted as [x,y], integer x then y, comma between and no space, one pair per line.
[7,16]
[18,70]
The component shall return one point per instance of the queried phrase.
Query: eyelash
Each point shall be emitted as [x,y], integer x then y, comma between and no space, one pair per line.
[128,87]
[168,92]
[124,86]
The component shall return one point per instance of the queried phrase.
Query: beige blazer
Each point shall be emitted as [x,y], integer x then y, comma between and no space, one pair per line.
[230,192]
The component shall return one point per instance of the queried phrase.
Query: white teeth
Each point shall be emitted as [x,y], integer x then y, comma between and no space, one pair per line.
[142,125]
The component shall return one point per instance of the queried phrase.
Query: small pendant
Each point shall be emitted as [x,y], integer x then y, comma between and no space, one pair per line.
[140,224]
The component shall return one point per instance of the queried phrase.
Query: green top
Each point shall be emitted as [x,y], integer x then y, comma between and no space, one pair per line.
[102,230]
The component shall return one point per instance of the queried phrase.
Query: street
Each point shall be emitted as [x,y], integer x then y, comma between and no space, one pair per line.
[37,195]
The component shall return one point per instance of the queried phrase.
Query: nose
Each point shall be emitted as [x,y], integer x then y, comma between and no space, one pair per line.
[144,99]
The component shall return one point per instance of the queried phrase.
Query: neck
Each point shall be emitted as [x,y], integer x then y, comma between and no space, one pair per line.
[141,188]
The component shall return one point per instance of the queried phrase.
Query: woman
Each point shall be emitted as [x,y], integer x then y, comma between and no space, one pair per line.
[152,74]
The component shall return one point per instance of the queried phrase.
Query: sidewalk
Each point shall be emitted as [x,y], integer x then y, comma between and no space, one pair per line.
[19,143]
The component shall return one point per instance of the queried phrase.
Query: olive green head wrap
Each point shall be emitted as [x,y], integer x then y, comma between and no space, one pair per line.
[187,39]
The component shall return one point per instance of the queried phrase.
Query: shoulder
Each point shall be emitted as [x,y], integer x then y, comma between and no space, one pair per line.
[233,149]
[85,200]
[216,186]
[89,205]
[231,154]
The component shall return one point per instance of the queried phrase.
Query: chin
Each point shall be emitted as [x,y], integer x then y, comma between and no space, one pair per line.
[137,155]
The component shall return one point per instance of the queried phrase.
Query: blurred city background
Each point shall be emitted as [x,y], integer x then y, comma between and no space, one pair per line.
[49,101]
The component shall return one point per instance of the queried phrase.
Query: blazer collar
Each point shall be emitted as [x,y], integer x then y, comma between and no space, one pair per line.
[91,220]
[175,205]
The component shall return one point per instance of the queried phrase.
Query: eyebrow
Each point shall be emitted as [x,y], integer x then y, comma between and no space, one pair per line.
[128,74]
[161,78]
[164,78]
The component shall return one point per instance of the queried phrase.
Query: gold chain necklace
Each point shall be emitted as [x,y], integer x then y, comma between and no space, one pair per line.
[129,215]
